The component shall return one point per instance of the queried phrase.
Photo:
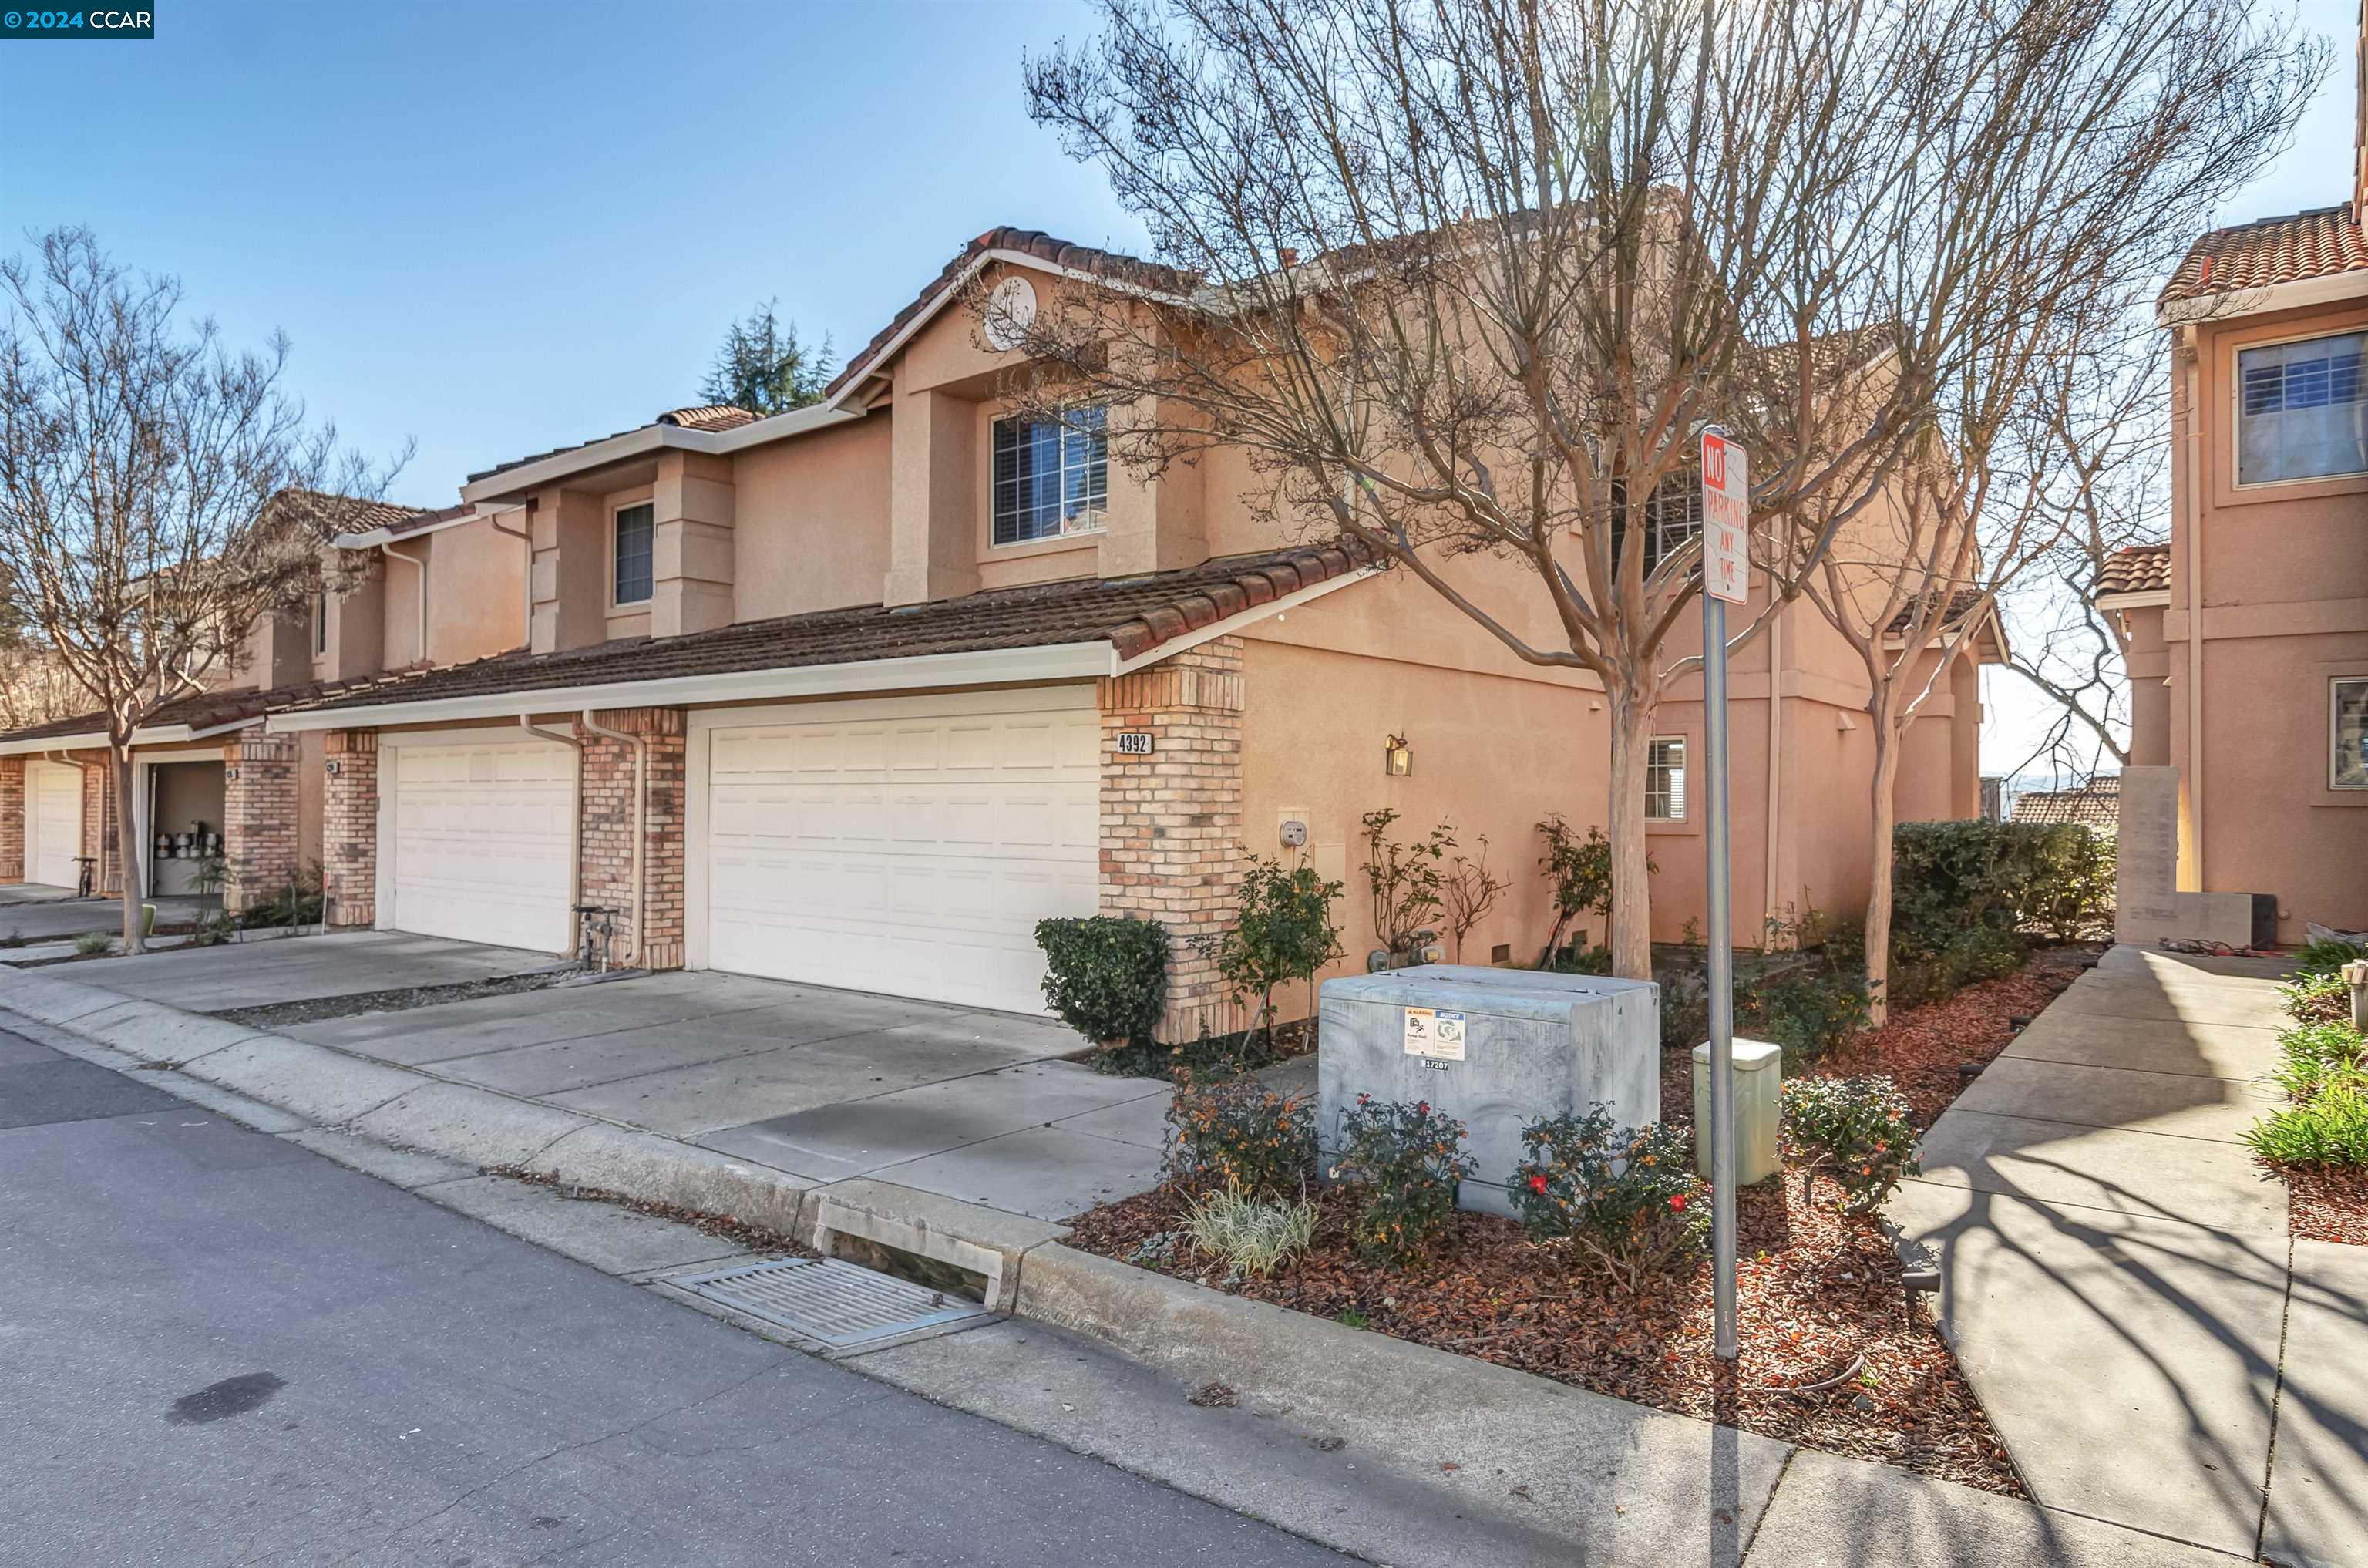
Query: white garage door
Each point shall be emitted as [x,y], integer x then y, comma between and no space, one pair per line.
[906,846]
[53,816]
[481,840]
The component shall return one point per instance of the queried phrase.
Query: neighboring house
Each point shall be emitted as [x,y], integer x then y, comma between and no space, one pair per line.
[2248,629]
[857,694]
[205,774]
[2096,804]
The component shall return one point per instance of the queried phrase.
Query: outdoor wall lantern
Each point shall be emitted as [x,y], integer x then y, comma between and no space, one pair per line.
[1397,757]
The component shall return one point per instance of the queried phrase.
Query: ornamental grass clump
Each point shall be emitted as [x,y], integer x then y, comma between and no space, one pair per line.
[1406,1162]
[1623,1196]
[1857,1130]
[2318,998]
[1249,1234]
[1239,1133]
[2325,1075]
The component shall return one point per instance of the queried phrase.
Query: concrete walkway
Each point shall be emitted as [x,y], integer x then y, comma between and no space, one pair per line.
[2119,1283]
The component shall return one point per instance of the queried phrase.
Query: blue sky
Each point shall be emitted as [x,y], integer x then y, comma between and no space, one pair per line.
[497,229]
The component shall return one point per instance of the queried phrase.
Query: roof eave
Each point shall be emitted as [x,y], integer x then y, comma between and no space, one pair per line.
[370,539]
[512,483]
[2133,599]
[2329,288]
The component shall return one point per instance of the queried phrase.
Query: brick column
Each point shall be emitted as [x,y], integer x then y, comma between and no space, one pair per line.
[259,849]
[98,826]
[607,842]
[12,819]
[1171,822]
[349,828]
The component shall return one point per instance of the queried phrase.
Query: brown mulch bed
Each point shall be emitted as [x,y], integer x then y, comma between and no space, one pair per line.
[2325,1203]
[725,1227]
[1920,1048]
[1821,1296]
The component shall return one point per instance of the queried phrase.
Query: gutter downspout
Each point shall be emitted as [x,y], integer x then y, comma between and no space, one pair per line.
[574,810]
[525,579]
[1775,760]
[640,744]
[418,564]
[2195,510]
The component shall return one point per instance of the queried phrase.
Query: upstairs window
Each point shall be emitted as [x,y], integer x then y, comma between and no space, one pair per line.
[2347,766]
[636,533]
[1672,516]
[1051,476]
[2301,410]
[320,620]
[1665,779]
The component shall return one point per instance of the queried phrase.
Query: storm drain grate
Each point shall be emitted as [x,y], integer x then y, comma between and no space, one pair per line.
[836,1304]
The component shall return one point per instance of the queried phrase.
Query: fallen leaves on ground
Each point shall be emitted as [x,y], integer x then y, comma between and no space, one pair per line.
[1819,1296]
[2326,1203]
[726,1227]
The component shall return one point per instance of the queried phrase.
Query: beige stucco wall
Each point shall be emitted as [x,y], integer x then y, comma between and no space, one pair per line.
[2284,609]
[476,586]
[812,529]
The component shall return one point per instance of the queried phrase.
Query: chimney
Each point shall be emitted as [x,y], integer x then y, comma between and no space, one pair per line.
[1291,256]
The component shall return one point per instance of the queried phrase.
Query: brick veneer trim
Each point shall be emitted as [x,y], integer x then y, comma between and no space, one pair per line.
[12,820]
[604,844]
[259,805]
[1171,822]
[349,828]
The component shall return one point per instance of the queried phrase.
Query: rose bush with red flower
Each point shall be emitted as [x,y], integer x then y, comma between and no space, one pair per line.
[1407,1161]
[1857,1131]
[1618,1193]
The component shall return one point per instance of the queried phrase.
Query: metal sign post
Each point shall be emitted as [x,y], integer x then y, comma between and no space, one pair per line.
[1726,579]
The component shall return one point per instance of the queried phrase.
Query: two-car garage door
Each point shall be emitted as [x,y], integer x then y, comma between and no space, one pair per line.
[908,846]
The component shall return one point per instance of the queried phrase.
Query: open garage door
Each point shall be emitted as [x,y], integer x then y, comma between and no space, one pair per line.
[906,846]
[479,835]
[52,824]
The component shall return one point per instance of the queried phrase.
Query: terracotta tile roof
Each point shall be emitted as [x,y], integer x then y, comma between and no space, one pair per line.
[2318,244]
[1114,265]
[351,513]
[206,711]
[1961,603]
[2097,803]
[707,416]
[2138,569]
[1134,615]
[418,520]
[710,416]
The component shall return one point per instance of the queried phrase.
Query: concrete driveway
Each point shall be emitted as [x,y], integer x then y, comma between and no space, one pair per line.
[825,1085]
[30,913]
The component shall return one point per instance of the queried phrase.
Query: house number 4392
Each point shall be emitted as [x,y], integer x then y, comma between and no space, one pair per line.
[1135,743]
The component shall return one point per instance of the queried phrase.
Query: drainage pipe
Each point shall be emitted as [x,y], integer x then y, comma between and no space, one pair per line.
[1773,817]
[575,816]
[419,565]
[2194,520]
[640,744]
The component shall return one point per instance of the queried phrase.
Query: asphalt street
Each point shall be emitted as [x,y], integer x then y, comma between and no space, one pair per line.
[219,1348]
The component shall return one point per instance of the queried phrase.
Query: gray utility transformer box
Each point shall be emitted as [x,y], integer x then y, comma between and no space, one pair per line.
[1494,1048]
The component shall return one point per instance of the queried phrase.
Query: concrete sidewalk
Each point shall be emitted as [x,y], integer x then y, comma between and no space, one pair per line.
[2118,1280]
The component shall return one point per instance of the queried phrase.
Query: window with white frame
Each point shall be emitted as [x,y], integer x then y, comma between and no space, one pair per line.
[1051,476]
[636,535]
[1672,514]
[2347,701]
[2302,409]
[1665,779]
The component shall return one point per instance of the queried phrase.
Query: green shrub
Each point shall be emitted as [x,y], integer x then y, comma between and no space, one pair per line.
[1406,1160]
[1580,870]
[1978,953]
[212,930]
[296,902]
[1810,992]
[1104,976]
[1408,882]
[90,944]
[2315,1053]
[2330,1127]
[2055,879]
[1249,1235]
[1572,959]
[2329,955]
[1857,1130]
[1623,1196]
[1284,931]
[1239,1133]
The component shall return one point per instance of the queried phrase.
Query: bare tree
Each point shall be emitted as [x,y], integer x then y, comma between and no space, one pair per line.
[158,493]
[1464,278]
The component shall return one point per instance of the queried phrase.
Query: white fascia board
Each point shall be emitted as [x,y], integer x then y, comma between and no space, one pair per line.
[2137,598]
[370,539]
[997,667]
[511,482]
[52,743]
[1256,613]
[2332,289]
[165,734]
